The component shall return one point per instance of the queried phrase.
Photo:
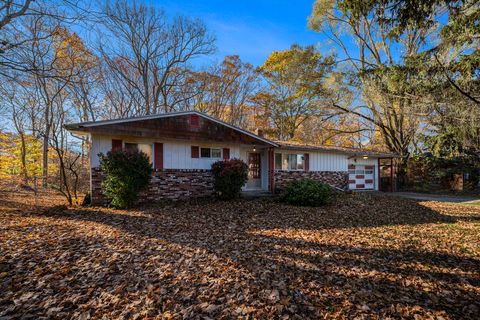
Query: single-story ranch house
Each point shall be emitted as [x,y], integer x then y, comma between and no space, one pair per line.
[183,145]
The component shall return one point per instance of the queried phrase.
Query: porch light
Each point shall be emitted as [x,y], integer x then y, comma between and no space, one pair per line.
[365,157]
[254,149]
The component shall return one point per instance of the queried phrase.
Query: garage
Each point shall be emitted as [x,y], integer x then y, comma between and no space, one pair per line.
[361,177]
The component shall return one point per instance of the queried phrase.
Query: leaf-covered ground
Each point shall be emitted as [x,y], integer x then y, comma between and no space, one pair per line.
[365,256]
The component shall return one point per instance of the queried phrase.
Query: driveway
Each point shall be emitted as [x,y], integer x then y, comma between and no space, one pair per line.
[435,197]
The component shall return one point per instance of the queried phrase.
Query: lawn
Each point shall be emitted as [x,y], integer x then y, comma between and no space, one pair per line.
[364,256]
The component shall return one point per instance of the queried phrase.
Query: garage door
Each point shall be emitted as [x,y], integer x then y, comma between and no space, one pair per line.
[361,177]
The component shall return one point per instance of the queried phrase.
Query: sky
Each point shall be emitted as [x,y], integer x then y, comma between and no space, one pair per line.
[250,29]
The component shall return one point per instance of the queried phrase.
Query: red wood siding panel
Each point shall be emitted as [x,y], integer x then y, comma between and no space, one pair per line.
[369,167]
[226,153]
[359,176]
[306,157]
[116,145]
[351,166]
[360,186]
[351,181]
[194,121]
[158,155]
[369,181]
[195,152]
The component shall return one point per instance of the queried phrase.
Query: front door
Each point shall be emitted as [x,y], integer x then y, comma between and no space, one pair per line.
[254,171]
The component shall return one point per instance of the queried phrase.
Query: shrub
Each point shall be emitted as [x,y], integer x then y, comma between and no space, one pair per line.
[127,173]
[230,176]
[307,192]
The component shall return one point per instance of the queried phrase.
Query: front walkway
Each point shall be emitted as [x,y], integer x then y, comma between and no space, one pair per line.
[435,197]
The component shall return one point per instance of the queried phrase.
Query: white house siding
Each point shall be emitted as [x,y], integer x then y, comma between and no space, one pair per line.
[176,154]
[367,162]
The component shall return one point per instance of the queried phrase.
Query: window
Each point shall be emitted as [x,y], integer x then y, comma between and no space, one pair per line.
[214,153]
[295,162]
[144,147]
[278,161]
[205,152]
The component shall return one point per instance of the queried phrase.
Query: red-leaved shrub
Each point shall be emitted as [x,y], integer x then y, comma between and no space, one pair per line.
[230,176]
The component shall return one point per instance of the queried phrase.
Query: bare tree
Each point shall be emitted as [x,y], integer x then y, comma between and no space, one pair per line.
[145,49]
[14,36]
[388,98]
[223,91]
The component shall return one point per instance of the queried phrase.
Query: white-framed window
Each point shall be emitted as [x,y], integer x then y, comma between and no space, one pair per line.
[278,161]
[214,153]
[296,161]
[290,161]
[144,147]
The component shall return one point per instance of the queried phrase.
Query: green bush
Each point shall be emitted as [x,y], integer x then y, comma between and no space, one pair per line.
[127,173]
[230,176]
[307,192]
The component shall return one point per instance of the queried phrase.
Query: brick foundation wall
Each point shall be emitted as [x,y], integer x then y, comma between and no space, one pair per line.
[170,184]
[338,179]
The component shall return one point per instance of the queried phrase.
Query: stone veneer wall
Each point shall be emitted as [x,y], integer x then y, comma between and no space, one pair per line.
[338,179]
[171,184]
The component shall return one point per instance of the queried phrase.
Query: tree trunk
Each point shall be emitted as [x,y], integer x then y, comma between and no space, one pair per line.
[23,158]
[45,161]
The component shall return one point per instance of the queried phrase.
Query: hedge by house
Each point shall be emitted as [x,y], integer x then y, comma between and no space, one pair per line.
[306,192]
[127,173]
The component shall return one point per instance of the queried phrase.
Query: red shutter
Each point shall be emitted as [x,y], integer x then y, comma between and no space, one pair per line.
[226,153]
[194,121]
[195,152]
[116,145]
[306,157]
[158,155]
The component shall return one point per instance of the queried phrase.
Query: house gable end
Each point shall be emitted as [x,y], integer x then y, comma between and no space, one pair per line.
[176,127]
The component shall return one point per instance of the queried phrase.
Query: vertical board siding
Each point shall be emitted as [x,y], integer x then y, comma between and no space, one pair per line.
[179,155]
[99,144]
[176,154]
